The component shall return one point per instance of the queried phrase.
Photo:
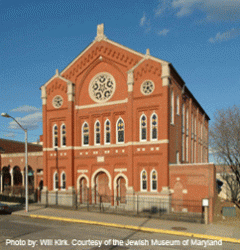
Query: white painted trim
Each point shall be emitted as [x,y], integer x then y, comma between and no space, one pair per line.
[78,180]
[82,171]
[97,105]
[135,143]
[117,142]
[105,132]
[151,127]
[115,184]
[143,190]
[55,189]
[120,170]
[151,180]
[106,172]
[140,128]
[22,154]
[95,133]
[85,145]
[63,172]
[62,135]
[191,164]
[53,136]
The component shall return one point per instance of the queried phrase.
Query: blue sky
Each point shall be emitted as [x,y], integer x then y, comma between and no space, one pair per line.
[199,37]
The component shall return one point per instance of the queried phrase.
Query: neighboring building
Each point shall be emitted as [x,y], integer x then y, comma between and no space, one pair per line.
[122,123]
[12,162]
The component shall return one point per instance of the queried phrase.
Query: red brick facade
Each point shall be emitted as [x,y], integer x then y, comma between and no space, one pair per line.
[162,123]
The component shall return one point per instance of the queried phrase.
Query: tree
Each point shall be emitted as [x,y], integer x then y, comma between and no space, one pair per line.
[225,145]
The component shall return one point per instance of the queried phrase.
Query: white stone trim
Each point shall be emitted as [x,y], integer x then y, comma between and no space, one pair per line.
[105,132]
[97,105]
[82,171]
[120,170]
[143,190]
[79,178]
[44,95]
[190,164]
[151,180]
[95,133]
[22,154]
[184,191]
[61,134]
[140,128]
[63,172]
[135,143]
[106,172]
[151,127]
[115,184]
[117,142]
[54,174]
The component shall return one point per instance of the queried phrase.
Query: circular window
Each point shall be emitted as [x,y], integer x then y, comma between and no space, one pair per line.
[57,101]
[102,87]
[147,87]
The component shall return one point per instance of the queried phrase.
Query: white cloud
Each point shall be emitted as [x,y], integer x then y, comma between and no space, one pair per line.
[26,109]
[143,20]
[215,10]
[163,32]
[30,122]
[220,37]
[12,135]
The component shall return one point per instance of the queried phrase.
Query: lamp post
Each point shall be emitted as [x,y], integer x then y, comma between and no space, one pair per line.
[26,159]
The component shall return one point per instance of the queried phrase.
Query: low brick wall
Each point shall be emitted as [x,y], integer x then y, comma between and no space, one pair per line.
[194,182]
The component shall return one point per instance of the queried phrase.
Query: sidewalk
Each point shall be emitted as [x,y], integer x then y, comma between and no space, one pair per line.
[212,231]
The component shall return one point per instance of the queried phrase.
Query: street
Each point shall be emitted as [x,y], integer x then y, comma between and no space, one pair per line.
[18,232]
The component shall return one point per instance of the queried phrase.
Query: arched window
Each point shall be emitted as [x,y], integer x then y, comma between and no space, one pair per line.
[97,133]
[154,180]
[63,180]
[120,131]
[55,181]
[55,136]
[154,125]
[178,105]
[107,132]
[85,134]
[143,128]
[172,108]
[63,135]
[144,180]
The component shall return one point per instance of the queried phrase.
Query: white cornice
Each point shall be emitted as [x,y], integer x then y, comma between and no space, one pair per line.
[97,105]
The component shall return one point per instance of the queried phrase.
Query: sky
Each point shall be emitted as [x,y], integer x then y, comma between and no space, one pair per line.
[200,38]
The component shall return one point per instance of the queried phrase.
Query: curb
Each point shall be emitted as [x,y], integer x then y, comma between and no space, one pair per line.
[144,229]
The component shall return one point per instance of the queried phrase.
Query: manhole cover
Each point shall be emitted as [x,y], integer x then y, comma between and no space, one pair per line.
[179,228]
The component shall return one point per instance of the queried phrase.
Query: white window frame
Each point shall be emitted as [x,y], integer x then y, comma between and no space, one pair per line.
[62,135]
[54,181]
[83,134]
[151,127]
[172,108]
[141,183]
[62,180]
[140,123]
[105,132]
[55,125]
[154,190]
[117,142]
[177,157]
[178,105]
[95,133]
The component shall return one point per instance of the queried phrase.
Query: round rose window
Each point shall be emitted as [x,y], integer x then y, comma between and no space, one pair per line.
[102,87]
[147,87]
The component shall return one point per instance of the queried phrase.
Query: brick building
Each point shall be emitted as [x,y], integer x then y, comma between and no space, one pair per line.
[123,123]
[12,162]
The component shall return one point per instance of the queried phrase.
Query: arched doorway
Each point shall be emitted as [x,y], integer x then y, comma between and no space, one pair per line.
[17,176]
[6,178]
[83,190]
[121,190]
[102,191]
[30,178]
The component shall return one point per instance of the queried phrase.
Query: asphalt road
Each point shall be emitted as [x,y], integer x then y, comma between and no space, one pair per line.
[26,233]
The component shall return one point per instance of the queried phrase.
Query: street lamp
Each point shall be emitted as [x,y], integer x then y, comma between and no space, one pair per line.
[26,159]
